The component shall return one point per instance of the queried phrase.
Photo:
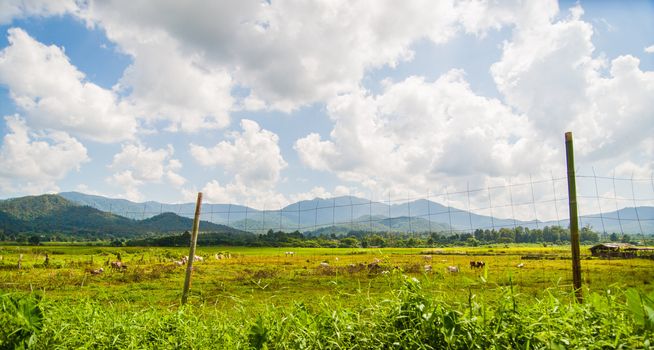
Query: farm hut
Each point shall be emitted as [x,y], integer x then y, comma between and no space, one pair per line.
[641,252]
[613,250]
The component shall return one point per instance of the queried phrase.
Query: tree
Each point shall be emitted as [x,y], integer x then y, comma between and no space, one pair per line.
[348,242]
[34,240]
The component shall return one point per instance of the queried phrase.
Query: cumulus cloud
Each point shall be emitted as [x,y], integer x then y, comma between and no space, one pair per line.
[252,158]
[164,84]
[53,94]
[649,49]
[10,9]
[549,73]
[416,133]
[33,162]
[273,49]
[136,165]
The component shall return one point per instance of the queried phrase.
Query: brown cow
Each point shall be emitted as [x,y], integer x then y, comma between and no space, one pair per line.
[118,265]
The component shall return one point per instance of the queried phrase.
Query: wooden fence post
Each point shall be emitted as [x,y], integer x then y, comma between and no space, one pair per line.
[574,220]
[191,254]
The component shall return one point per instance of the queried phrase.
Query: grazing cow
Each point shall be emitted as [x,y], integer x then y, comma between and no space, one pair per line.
[521,265]
[473,264]
[427,268]
[477,264]
[427,257]
[118,265]
[452,269]
[198,258]
[324,264]
[97,272]
[219,256]
[289,253]
[179,263]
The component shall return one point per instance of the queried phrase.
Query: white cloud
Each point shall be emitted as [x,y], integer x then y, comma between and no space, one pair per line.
[10,9]
[33,162]
[478,16]
[55,95]
[549,73]
[164,84]
[649,49]
[237,192]
[416,134]
[286,60]
[253,158]
[136,165]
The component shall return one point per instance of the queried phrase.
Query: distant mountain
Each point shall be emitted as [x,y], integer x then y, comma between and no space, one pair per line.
[628,220]
[349,211]
[33,207]
[171,222]
[50,214]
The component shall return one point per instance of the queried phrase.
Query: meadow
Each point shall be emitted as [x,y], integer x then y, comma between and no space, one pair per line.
[323,298]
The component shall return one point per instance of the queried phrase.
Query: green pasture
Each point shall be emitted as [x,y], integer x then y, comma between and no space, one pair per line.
[361,298]
[261,276]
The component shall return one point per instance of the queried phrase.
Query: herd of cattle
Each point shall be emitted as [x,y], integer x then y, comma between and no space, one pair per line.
[374,265]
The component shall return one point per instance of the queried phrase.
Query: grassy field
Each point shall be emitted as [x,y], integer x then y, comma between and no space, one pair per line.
[257,289]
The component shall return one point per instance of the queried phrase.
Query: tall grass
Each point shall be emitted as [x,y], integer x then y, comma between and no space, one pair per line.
[411,318]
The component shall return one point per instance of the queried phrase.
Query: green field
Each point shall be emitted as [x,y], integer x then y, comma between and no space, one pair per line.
[262,297]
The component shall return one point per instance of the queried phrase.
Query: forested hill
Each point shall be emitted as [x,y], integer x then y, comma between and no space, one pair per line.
[55,215]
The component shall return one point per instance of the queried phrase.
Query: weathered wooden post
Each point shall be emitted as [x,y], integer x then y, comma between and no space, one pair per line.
[574,220]
[191,254]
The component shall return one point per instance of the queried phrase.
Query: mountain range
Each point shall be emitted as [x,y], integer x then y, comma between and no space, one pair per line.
[341,214]
[53,214]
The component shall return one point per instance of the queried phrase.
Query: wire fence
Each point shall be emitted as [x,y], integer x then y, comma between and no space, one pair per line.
[607,204]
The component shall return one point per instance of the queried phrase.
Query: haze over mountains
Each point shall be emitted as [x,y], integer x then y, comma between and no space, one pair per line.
[353,213]
[95,216]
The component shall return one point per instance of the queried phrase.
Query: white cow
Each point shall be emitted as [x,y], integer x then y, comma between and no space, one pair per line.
[289,253]
[453,269]
[97,272]
[521,265]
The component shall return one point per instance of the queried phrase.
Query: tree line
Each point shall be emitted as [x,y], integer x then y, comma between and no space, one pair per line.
[364,239]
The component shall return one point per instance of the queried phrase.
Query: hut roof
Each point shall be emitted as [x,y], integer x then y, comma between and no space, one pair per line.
[612,246]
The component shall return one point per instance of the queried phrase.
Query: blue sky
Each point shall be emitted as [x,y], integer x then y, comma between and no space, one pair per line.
[265,104]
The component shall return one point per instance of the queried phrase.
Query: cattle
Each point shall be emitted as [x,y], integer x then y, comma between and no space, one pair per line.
[520,265]
[219,256]
[198,258]
[179,263]
[97,272]
[452,269]
[324,264]
[289,253]
[477,264]
[118,265]
[427,268]
[427,257]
